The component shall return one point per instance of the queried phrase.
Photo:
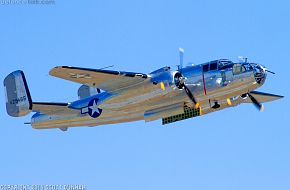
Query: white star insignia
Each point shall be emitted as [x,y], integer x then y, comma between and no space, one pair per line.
[94,108]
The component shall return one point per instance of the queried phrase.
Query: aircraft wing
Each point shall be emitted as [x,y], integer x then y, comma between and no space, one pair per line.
[53,108]
[263,97]
[104,79]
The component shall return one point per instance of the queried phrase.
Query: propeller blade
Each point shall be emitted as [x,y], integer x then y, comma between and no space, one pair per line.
[190,95]
[181,81]
[256,103]
[229,101]
[162,85]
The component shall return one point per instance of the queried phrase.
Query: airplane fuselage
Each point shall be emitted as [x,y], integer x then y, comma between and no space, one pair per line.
[213,85]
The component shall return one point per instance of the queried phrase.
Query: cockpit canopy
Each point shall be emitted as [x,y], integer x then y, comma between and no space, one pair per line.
[224,64]
[217,65]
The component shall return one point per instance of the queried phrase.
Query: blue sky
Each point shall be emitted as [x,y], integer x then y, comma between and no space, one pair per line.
[238,148]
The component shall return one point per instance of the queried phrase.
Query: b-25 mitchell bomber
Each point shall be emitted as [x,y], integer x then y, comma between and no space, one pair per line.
[108,97]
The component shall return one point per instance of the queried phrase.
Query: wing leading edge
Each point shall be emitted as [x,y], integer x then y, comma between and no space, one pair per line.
[104,79]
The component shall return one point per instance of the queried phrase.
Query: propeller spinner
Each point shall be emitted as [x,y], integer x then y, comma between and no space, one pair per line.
[162,75]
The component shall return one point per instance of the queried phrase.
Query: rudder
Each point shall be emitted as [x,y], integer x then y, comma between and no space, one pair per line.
[18,98]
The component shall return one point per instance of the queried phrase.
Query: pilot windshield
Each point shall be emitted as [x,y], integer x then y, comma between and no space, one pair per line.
[238,68]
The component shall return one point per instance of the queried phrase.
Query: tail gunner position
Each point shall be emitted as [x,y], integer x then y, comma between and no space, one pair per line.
[108,97]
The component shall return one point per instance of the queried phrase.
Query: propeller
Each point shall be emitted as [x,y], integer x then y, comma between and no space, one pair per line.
[190,95]
[180,81]
[257,104]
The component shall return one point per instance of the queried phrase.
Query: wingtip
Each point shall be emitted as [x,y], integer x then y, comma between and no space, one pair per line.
[53,70]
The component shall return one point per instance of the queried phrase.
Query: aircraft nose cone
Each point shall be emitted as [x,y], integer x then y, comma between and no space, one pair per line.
[260,73]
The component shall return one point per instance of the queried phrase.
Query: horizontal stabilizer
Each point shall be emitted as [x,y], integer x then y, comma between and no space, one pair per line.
[53,108]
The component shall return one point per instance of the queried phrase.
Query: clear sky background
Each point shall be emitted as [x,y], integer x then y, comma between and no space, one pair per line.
[238,148]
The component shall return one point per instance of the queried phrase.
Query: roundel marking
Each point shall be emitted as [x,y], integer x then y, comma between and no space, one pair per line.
[94,111]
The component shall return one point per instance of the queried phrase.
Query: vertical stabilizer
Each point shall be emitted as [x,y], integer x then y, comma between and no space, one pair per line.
[18,99]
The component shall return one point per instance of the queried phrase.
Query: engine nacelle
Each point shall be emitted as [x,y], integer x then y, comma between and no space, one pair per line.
[87,91]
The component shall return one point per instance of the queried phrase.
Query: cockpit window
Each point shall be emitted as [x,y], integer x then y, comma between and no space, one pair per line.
[243,69]
[238,68]
[248,67]
[205,68]
[223,67]
[210,67]
[224,64]
[213,66]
